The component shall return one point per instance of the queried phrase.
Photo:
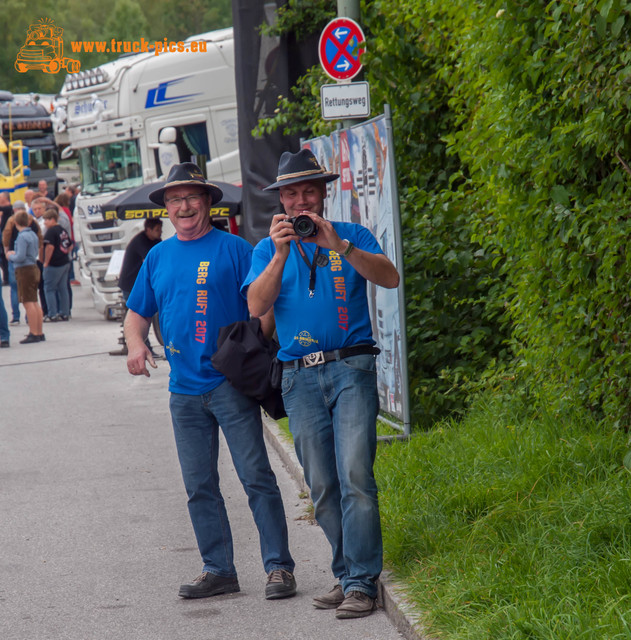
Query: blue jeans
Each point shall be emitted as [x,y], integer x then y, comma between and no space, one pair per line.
[13,284]
[56,284]
[332,410]
[4,321]
[196,422]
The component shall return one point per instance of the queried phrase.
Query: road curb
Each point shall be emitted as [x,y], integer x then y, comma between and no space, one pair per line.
[391,594]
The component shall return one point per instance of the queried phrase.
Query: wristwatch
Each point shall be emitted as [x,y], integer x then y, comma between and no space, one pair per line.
[349,247]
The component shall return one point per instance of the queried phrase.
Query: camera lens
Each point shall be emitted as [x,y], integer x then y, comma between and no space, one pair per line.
[304,226]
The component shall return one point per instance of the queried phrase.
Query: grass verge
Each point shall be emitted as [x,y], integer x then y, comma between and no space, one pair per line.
[511,524]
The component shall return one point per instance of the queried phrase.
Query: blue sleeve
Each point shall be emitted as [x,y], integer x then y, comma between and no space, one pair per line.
[20,250]
[142,298]
[366,241]
[244,263]
[261,256]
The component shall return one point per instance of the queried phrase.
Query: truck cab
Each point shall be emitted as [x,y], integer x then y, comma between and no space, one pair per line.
[24,118]
[14,169]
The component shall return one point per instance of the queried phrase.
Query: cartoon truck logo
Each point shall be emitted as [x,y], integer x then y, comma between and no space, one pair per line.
[44,49]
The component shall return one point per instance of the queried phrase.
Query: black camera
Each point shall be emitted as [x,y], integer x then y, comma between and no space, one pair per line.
[304,226]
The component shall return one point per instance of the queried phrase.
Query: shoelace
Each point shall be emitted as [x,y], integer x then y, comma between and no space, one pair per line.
[360,595]
[276,576]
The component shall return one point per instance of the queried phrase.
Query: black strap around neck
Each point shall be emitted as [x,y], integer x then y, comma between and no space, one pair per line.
[312,267]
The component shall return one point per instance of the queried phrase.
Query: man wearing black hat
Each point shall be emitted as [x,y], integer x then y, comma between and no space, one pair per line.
[192,280]
[313,273]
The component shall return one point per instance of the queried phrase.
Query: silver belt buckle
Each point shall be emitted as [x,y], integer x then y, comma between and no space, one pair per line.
[311,359]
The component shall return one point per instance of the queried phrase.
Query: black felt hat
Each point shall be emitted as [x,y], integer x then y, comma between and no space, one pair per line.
[298,167]
[185,174]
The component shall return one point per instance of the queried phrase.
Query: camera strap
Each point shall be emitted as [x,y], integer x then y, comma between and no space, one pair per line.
[318,261]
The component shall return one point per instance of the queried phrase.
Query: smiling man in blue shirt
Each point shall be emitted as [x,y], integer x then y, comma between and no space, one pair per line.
[192,280]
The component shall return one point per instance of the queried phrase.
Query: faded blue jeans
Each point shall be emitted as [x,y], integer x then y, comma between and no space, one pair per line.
[332,410]
[196,423]
[4,321]
[15,303]
[56,285]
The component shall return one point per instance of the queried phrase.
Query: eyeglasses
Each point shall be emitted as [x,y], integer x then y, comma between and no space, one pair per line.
[192,201]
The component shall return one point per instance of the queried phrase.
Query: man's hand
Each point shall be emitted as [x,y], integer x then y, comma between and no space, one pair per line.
[137,359]
[136,332]
[282,233]
[327,237]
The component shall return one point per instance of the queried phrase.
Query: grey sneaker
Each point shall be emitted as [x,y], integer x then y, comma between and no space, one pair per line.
[208,584]
[280,584]
[331,600]
[356,605]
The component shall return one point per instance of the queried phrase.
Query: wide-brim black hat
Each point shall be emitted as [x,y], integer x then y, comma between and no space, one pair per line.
[299,167]
[187,173]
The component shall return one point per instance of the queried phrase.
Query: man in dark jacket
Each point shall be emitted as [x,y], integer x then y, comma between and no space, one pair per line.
[135,254]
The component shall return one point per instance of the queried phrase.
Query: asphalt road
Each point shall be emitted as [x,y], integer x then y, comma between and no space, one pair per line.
[95,537]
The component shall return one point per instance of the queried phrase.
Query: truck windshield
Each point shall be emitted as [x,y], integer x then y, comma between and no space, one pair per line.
[110,167]
[41,158]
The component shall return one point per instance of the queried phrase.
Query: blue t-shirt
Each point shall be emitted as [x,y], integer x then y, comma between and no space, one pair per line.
[337,316]
[194,285]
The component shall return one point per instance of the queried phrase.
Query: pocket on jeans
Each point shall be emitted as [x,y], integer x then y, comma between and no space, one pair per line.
[365,362]
[287,381]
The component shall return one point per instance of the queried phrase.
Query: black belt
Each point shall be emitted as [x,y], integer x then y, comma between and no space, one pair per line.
[321,357]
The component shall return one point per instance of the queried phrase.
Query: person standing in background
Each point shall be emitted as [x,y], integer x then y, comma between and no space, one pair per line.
[27,275]
[57,247]
[9,236]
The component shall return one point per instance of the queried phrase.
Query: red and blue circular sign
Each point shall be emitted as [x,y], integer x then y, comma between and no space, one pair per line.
[341,47]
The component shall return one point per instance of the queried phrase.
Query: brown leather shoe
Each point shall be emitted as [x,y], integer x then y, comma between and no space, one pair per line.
[331,600]
[280,584]
[208,584]
[356,605]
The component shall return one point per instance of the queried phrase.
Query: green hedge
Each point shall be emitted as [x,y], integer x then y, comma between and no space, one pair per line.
[541,93]
[512,125]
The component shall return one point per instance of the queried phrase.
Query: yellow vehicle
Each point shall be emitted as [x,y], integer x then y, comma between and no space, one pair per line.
[14,169]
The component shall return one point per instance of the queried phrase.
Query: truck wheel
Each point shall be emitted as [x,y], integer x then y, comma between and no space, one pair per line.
[53,67]
[156,329]
[21,67]
[72,66]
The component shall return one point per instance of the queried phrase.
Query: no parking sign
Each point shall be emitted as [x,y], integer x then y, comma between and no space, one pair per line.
[340,49]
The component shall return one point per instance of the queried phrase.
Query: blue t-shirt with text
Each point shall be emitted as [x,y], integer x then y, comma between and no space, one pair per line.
[194,285]
[337,315]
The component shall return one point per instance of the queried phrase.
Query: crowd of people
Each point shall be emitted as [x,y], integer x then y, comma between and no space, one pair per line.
[37,260]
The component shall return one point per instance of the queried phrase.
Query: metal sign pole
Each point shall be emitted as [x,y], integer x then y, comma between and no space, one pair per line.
[350,9]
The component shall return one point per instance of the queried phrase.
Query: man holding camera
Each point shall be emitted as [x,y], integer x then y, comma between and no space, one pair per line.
[313,272]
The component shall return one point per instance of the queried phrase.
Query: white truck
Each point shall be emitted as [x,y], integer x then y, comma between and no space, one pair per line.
[129,119]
